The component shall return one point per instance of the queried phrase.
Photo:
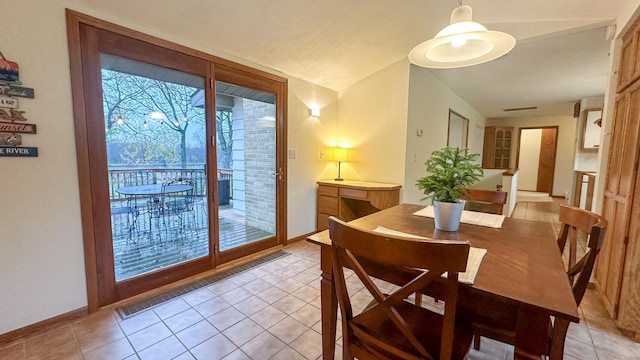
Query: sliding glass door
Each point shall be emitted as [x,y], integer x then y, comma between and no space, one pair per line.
[147,162]
[251,164]
[155,136]
[180,159]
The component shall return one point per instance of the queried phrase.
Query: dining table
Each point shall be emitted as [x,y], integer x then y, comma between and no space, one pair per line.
[521,281]
[145,199]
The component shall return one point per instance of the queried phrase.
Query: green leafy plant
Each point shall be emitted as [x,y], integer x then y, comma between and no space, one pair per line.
[451,170]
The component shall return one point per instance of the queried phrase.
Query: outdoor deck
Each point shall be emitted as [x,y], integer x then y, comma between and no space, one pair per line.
[142,244]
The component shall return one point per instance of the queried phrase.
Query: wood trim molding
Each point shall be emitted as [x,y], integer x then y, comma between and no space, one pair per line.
[300,238]
[43,326]
[82,152]
[78,17]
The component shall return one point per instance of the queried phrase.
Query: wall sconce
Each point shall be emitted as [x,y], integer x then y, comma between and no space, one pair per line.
[340,155]
[315,111]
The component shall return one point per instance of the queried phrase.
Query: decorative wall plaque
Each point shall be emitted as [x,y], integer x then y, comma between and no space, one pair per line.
[7,139]
[19,91]
[8,102]
[8,70]
[18,151]
[12,120]
[18,128]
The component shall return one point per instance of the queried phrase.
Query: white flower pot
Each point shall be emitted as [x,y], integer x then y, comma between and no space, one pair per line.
[447,215]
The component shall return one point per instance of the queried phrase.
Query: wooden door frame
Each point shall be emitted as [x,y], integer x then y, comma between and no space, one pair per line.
[91,211]
[557,128]
[242,78]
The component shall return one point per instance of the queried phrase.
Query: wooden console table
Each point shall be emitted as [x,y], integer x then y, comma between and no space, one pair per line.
[350,199]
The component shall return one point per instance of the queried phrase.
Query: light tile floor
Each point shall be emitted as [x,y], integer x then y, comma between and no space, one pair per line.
[270,312]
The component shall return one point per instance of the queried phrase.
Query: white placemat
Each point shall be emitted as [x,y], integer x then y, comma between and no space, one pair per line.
[470,217]
[473,261]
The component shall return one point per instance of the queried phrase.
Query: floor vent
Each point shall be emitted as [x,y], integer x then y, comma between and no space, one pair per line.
[134,308]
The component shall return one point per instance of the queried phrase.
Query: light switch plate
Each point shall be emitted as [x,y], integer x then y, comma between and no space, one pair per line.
[292,153]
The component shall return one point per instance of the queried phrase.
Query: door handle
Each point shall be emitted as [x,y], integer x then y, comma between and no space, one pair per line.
[279,174]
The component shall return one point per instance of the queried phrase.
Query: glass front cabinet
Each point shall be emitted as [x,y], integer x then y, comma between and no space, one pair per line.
[497,147]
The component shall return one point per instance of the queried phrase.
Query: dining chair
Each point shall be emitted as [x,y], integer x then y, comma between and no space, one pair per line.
[577,224]
[487,201]
[391,327]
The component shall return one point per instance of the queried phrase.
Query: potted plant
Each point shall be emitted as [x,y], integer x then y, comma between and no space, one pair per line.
[451,170]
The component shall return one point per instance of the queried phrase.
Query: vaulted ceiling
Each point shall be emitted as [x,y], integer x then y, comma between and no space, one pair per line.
[561,55]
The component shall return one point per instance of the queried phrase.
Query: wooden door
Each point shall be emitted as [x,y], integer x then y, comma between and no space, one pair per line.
[618,195]
[547,163]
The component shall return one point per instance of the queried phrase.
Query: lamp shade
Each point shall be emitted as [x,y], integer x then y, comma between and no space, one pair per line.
[340,154]
[462,43]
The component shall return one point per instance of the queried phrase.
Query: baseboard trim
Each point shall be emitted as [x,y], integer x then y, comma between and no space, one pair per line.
[43,326]
[300,238]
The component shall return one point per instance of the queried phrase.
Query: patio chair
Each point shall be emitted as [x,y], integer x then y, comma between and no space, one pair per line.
[117,212]
[175,200]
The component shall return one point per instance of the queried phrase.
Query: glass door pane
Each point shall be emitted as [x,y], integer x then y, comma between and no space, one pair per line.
[155,132]
[247,175]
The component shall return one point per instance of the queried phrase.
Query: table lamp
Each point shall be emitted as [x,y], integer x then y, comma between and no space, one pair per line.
[340,155]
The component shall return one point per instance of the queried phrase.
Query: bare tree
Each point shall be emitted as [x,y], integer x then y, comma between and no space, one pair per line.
[153,117]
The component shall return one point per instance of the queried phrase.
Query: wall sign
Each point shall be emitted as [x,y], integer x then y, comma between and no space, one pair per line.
[7,139]
[19,91]
[17,128]
[12,120]
[18,151]
[8,102]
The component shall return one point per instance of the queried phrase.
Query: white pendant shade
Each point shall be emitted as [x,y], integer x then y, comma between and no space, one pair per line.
[462,43]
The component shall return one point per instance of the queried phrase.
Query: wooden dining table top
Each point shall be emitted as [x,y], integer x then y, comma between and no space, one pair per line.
[522,266]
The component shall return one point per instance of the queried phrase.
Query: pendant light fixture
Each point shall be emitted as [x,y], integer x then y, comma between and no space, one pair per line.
[462,43]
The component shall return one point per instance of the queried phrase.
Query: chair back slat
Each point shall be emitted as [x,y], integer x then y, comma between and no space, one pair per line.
[420,261]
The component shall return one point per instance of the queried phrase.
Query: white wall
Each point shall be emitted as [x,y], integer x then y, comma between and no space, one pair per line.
[429,104]
[41,256]
[373,115]
[308,135]
[529,159]
[565,154]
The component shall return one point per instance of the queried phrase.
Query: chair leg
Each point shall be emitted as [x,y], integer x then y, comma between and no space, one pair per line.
[418,299]
[476,341]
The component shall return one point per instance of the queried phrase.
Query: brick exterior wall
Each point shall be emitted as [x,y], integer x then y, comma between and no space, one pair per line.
[254,160]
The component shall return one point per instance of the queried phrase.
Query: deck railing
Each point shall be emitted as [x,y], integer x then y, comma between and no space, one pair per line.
[132,177]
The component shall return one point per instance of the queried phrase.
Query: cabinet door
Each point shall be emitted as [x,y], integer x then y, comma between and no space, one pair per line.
[506,148]
[629,59]
[488,147]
